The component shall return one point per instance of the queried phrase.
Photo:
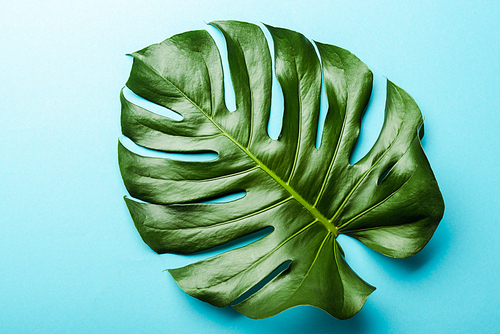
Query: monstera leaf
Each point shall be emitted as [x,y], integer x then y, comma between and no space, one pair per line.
[389,200]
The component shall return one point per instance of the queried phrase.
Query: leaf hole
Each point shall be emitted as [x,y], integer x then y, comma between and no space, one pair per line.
[153,107]
[373,118]
[421,131]
[227,197]
[323,103]
[384,174]
[136,199]
[146,152]
[220,41]
[275,124]
[284,266]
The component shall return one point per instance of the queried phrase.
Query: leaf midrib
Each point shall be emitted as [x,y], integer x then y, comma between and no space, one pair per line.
[313,210]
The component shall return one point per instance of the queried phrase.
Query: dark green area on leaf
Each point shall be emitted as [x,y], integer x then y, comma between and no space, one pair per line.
[389,200]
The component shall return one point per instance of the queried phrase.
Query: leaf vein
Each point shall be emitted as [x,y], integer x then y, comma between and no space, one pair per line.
[267,255]
[339,210]
[225,222]
[340,227]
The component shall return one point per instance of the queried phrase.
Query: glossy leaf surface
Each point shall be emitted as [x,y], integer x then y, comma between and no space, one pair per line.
[389,200]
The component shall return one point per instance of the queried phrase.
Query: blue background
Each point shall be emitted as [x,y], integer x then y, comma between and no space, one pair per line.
[70,258]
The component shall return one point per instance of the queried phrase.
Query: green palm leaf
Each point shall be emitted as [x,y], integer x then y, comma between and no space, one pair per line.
[389,200]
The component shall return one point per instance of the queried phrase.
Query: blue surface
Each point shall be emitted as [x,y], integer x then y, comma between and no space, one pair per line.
[71,259]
